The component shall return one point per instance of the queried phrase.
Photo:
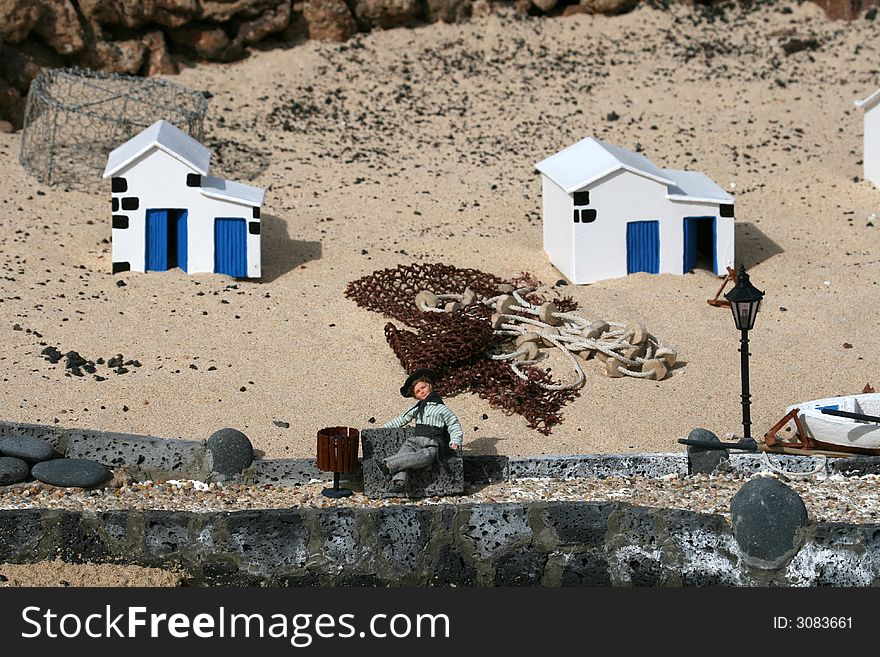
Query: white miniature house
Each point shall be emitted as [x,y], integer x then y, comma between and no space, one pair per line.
[168,212]
[609,212]
[871,156]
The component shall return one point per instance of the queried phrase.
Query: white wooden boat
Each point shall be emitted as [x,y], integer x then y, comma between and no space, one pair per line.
[826,431]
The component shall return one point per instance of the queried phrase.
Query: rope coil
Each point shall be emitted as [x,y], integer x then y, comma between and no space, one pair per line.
[628,349]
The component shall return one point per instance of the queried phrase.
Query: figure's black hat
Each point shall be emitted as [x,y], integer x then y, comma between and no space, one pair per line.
[422,373]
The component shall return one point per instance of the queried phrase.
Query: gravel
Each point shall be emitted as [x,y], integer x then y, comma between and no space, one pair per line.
[828,498]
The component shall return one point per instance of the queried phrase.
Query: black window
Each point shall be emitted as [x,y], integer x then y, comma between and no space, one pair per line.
[582,198]
[254,228]
[588,216]
[130,203]
[119,184]
[120,221]
[256,213]
[727,210]
[115,204]
[193,180]
[577,216]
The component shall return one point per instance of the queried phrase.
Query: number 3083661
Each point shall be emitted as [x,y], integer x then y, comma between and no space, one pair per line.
[813,623]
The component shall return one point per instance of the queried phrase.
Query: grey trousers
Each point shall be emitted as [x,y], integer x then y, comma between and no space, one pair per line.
[416,452]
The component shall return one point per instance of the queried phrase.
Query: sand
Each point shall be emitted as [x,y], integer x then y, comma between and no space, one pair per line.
[58,573]
[418,146]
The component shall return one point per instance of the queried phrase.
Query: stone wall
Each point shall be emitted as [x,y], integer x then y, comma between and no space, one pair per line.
[535,544]
[540,544]
[148,37]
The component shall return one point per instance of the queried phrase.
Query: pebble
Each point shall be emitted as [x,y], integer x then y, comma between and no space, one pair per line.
[81,473]
[12,470]
[28,448]
[230,450]
[768,519]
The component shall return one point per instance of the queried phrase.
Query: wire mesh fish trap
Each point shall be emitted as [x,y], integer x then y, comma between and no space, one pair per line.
[74,117]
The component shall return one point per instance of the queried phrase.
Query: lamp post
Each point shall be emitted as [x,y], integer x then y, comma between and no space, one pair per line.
[745,301]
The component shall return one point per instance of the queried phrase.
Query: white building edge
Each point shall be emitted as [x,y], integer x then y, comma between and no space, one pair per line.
[871,151]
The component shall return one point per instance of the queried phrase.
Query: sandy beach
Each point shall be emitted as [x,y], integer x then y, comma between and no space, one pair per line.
[419,145]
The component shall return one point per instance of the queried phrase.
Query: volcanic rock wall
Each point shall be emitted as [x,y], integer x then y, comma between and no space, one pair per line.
[149,37]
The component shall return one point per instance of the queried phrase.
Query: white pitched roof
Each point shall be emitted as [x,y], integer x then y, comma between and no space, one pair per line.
[166,137]
[227,190]
[869,102]
[696,187]
[590,159]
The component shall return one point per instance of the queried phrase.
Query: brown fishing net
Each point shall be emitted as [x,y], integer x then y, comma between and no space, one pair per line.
[455,344]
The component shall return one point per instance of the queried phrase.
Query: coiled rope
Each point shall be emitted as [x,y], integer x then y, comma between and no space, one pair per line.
[626,349]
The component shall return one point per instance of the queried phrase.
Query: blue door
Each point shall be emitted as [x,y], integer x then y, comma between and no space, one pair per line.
[157,240]
[230,246]
[166,240]
[699,243]
[643,247]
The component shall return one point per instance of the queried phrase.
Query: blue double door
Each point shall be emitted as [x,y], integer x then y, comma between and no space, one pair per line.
[643,245]
[166,240]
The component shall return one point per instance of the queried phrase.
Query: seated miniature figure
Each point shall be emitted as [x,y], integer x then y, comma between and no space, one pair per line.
[436,427]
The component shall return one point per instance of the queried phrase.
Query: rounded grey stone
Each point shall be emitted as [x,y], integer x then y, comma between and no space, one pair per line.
[769,521]
[700,459]
[69,473]
[28,448]
[12,470]
[231,451]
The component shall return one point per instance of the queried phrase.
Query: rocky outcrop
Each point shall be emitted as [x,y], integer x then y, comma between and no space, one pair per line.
[387,13]
[19,65]
[134,14]
[448,11]
[159,60]
[59,25]
[272,21]
[207,42]
[17,19]
[117,56]
[608,7]
[329,20]
[11,105]
[846,9]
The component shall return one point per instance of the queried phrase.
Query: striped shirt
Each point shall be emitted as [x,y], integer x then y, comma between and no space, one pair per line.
[435,415]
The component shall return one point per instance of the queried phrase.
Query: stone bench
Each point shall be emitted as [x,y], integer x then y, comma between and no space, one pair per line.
[445,477]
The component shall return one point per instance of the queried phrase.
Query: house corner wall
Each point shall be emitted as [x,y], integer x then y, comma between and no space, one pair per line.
[557,222]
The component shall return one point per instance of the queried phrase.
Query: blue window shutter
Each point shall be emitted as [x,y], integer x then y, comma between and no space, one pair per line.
[643,247]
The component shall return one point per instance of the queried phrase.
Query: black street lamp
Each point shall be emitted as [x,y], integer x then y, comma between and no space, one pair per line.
[745,301]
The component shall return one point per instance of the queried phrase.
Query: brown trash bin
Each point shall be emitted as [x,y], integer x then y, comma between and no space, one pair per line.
[338,452]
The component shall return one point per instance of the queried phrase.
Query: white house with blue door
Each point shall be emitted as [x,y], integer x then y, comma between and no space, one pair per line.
[610,212]
[168,212]
[871,156]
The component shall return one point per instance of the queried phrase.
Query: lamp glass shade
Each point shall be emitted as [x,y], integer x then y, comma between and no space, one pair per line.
[745,301]
[744,314]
